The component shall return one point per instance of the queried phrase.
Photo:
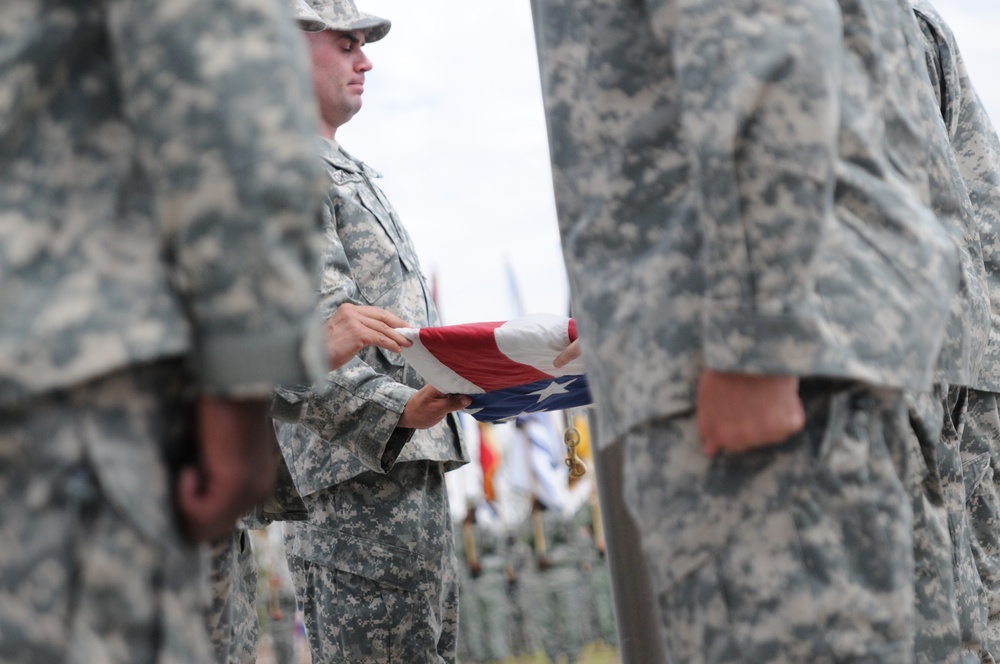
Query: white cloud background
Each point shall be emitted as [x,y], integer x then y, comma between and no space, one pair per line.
[453,119]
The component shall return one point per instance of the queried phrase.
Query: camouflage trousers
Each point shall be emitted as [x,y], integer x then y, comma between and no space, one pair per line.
[941,421]
[92,566]
[485,616]
[232,614]
[802,552]
[603,606]
[374,569]
[981,474]
[557,606]
[281,625]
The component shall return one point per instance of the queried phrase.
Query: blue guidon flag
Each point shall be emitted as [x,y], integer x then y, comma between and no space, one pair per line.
[506,367]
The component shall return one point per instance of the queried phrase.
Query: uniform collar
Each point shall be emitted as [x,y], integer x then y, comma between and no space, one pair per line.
[336,156]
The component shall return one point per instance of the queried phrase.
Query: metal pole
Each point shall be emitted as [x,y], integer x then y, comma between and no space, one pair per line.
[637,617]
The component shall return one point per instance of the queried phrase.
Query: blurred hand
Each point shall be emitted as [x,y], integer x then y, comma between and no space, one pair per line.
[353,327]
[237,467]
[741,412]
[570,353]
[429,406]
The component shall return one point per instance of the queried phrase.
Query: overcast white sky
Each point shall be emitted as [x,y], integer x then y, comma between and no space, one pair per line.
[453,119]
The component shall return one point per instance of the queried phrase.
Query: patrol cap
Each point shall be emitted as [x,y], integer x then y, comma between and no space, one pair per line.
[318,15]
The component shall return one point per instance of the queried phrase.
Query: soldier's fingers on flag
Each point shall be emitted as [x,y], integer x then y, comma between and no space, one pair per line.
[428,406]
[383,332]
[387,317]
[571,353]
[368,319]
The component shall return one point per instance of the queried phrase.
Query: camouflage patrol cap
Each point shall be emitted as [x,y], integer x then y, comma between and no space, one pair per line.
[318,15]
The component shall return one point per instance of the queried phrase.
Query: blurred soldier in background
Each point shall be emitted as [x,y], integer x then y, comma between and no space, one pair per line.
[485,609]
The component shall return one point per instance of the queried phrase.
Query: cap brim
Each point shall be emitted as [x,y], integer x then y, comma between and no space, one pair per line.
[374,27]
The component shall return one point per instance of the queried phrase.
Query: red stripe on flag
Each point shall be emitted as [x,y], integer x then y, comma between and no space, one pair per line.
[471,351]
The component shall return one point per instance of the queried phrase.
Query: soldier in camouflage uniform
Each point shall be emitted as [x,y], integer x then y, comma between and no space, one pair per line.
[939,417]
[374,565]
[557,603]
[521,633]
[158,232]
[232,615]
[485,610]
[276,592]
[977,160]
[757,282]
[966,379]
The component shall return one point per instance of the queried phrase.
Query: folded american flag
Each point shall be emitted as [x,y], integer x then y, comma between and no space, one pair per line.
[506,367]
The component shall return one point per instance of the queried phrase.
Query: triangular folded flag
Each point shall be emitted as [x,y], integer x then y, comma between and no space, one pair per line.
[506,367]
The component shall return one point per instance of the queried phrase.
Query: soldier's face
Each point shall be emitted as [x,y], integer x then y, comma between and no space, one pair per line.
[338,71]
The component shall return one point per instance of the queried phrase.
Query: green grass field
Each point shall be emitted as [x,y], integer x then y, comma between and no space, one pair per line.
[595,653]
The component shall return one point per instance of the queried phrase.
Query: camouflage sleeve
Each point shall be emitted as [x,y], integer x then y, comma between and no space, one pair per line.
[976,147]
[761,111]
[359,404]
[217,92]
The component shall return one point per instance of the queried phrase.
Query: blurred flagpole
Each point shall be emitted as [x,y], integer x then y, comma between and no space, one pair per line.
[516,303]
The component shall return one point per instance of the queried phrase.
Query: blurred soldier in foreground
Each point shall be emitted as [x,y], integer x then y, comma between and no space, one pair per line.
[158,236]
[756,283]
[374,564]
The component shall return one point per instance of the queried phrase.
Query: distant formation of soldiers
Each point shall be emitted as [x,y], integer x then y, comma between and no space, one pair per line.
[541,586]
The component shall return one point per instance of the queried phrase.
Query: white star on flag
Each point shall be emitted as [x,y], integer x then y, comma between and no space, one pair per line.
[550,390]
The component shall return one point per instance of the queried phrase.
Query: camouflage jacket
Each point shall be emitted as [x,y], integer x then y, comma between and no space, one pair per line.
[730,195]
[977,153]
[369,260]
[937,181]
[159,194]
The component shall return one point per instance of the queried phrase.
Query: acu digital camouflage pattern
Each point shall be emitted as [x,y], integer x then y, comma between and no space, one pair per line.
[484,574]
[159,198]
[556,592]
[374,564]
[369,260]
[92,567]
[977,152]
[980,472]
[374,568]
[950,613]
[938,181]
[934,176]
[708,232]
[748,175]
[232,613]
[158,193]
[797,553]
